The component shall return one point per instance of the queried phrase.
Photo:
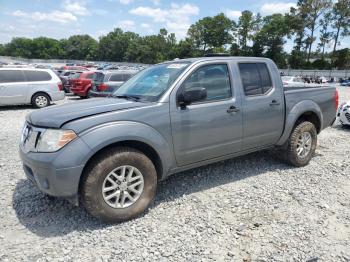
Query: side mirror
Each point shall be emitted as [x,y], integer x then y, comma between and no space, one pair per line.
[188,97]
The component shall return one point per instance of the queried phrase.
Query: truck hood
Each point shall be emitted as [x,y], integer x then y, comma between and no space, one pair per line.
[56,116]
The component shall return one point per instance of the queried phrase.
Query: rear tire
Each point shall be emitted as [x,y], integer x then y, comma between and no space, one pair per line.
[301,145]
[40,100]
[118,185]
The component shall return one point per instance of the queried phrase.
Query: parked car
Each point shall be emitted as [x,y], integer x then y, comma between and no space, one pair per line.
[38,87]
[106,82]
[344,113]
[111,153]
[80,84]
[74,68]
[292,81]
[65,76]
[345,83]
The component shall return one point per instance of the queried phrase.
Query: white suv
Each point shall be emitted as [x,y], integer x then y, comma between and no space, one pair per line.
[29,86]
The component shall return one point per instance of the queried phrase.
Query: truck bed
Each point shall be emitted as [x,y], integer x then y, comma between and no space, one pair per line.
[323,96]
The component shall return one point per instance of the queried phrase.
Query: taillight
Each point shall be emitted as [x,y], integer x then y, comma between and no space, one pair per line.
[102,87]
[336,99]
[60,86]
[285,84]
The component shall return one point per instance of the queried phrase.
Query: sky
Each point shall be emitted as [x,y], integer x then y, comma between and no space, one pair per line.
[63,18]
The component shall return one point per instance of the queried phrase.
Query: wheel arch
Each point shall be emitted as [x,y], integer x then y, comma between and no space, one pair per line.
[143,147]
[306,110]
[40,92]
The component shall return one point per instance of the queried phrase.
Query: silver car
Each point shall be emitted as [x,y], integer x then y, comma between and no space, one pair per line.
[38,87]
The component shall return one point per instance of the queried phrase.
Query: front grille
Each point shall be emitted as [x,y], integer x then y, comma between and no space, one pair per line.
[347,115]
[30,137]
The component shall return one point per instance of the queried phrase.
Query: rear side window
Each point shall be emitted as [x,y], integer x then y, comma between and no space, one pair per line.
[255,78]
[11,76]
[37,76]
[266,84]
[116,78]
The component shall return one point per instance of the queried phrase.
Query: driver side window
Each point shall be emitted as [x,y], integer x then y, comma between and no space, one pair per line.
[214,78]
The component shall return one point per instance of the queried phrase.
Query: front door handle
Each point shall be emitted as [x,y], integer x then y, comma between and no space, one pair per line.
[274,103]
[232,109]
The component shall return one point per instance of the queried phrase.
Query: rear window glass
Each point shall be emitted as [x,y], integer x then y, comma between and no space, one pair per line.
[250,79]
[90,76]
[99,77]
[37,76]
[127,76]
[11,76]
[116,78]
[255,78]
[266,83]
[75,76]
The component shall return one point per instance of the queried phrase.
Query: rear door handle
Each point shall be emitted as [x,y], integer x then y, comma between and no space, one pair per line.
[274,103]
[232,109]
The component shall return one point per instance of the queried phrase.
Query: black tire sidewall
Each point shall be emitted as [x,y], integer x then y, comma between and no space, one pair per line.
[92,189]
[292,149]
[40,94]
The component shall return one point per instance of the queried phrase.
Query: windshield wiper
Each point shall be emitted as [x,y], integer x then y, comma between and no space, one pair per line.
[129,97]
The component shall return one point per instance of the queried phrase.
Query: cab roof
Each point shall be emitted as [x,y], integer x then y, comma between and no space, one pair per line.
[222,58]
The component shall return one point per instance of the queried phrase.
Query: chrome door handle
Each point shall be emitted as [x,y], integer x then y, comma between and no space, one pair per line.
[274,103]
[232,109]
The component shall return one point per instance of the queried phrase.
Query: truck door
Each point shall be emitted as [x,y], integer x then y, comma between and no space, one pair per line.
[209,128]
[263,106]
[13,88]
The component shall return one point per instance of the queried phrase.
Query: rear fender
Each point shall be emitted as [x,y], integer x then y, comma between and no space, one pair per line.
[295,113]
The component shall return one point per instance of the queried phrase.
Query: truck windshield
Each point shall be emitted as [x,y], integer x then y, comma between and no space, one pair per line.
[151,83]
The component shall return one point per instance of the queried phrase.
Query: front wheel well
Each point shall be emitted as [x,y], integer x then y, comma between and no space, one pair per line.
[311,117]
[146,149]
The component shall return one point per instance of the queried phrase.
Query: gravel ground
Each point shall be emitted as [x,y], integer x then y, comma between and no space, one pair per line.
[252,208]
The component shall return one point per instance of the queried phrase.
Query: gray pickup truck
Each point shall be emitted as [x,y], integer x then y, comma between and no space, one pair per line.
[109,154]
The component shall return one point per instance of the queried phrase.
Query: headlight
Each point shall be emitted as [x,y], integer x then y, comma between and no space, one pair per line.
[54,139]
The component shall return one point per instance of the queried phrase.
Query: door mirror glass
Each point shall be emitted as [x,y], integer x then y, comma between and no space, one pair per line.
[190,96]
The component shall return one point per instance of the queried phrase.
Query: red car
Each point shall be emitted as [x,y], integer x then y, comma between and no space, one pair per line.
[81,83]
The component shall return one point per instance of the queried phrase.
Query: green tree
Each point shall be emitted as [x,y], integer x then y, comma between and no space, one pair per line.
[2,49]
[313,10]
[246,26]
[342,59]
[45,48]
[211,32]
[325,34]
[270,39]
[114,45]
[340,20]
[81,47]
[321,64]
[19,47]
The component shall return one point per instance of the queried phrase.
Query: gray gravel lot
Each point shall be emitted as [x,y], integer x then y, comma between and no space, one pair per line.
[252,208]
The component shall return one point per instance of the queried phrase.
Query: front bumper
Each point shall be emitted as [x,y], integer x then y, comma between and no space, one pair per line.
[58,173]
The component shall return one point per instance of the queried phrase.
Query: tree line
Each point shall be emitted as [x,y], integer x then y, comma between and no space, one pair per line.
[312,26]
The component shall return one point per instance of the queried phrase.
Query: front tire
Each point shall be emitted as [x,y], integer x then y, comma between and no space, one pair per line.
[301,145]
[119,185]
[40,100]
